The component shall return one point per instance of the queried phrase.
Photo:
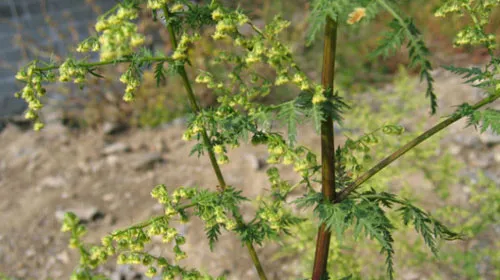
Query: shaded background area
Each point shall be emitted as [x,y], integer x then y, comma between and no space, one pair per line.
[32,29]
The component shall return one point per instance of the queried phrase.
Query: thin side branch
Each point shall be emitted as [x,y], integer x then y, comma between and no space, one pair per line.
[410,145]
[109,62]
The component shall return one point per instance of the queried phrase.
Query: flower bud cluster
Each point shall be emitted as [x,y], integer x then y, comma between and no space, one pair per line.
[273,215]
[227,23]
[448,8]
[119,36]
[89,44]
[186,40]
[318,95]
[129,244]
[220,151]
[277,25]
[131,78]
[177,8]
[157,4]
[171,202]
[480,12]
[71,223]
[71,70]
[33,90]
[214,215]
[193,130]
[474,36]
[301,158]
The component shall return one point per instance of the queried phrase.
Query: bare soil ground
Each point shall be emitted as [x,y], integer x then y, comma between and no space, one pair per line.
[43,174]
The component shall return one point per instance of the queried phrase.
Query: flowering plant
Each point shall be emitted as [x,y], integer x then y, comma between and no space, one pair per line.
[239,116]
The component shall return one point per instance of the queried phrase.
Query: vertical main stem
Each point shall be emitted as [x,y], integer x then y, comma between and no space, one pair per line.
[206,140]
[327,149]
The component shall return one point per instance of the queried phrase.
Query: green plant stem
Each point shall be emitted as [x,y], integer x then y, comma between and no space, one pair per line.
[194,106]
[327,148]
[109,62]
[401,151]
[196,109]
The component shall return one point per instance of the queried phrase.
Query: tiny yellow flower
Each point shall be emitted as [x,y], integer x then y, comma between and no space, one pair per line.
[38,126]
[21,76]
[218,149]
[217,14]
[177,8]
[137,40]
[356,15]
[318,98]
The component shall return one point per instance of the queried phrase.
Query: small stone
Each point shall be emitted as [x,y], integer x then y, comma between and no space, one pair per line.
[110,128]
[146,161]
[109,220]
[467,140]
[56,274]
[454,149]
[411,276]
[63,257]
[112,160]
[4,205]
[480,160]
[179,121]
[115,148]
[108,197]
[489,138]
[496,156]
[157,208]
[30,253]
[156,251]
[22,272]
[161,145]
[85,214]
[52,182]
[116,276]
[255,163]
[47,240]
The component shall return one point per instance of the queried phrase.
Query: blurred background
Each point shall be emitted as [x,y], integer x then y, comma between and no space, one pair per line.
[100,157]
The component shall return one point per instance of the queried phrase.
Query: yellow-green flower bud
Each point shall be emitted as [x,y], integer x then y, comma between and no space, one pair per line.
[230,224]
[21,76]
[151,272]
[217,14]
[222,159]
[38,126]
[318,98]
[107,241]
[137,40]
[218,149]
[170,211]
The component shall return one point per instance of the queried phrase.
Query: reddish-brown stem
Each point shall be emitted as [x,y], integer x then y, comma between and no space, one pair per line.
[327,148]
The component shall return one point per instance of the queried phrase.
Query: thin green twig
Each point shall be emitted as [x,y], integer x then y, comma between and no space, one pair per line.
[109,62]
